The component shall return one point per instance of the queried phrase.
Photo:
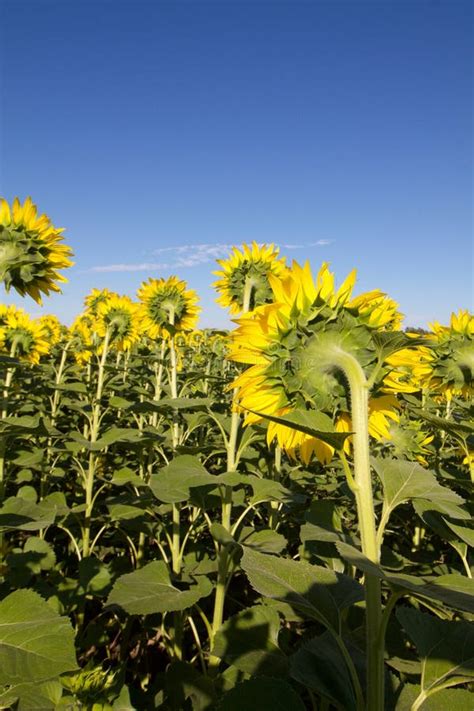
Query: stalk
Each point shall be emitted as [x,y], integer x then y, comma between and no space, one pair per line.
[94,433]
[3,444]
[274,516]
[223,558]
[367,526]
[176,509]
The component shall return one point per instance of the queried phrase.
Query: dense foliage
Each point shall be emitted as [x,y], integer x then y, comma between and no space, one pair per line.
[189,519]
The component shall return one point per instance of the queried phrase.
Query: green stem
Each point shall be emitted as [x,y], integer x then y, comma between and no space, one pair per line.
[367,525]
[94,434]
[3,444]
[223,557]
[274,517]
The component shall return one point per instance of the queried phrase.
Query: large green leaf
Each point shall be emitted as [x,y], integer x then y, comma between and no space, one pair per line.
[21,514]
[446,648]
[36,644]
[465,533]
[172,484]
[453,590]
[446,700]
[262,694]
[184,682]
[320,665]
[311,422]
[317,592]
[406,481]
[249,641]
[149,590]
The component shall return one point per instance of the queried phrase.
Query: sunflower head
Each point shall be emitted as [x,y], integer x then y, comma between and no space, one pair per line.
[30,250]
[453,357]
[95,298]
[23,337]
[243,280]
[84,338]
[291,345]
[168,306]
[53,328]
[119,316]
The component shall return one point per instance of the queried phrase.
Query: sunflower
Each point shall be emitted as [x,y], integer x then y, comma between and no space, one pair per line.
[30,250]
[284,343]
[377,310]
[453,362]
[168,306]
[52,327]
[409,369]
[84,337]
[23,337]
[244,278]
[120,317]
[95,298]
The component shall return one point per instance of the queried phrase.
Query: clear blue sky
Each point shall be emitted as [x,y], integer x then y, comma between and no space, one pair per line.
[341,128]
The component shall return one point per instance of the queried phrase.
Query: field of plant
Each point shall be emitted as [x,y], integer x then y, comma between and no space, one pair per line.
[274,517]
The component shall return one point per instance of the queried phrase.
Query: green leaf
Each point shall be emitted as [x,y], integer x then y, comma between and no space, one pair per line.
[149,590]
[459,430]
[465,533]
[23,515]
[249,641]
[406,481]
[262,693]
[446,648]
[270,490]
[266,541]
[317,592]
[183,682]
[454,590]
[311,422]
[36,644]
[172,484]
[446,700]
[320,665]
[124,476]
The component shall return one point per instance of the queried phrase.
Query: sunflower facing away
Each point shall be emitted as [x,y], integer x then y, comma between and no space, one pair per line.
[30,250]
[168,306]
[120,317]
[246,273]
[23,337]
[52,327]
[283,342]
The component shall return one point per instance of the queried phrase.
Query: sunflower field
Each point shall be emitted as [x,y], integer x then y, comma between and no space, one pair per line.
[274,517]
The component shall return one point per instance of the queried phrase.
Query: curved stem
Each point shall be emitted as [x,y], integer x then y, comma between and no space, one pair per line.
[359,392]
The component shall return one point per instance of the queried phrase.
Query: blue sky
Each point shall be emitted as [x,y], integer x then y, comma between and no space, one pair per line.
[160,133]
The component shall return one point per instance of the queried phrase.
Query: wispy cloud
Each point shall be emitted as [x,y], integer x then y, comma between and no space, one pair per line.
[191,255]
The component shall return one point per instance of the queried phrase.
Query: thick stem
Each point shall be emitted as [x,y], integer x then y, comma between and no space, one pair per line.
[3,444]
[232,464]
[367,524]
[94,434]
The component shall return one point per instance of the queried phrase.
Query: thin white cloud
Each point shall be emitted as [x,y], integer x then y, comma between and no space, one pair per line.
[191,255]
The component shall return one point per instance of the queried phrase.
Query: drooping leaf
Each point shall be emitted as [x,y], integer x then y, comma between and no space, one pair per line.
[36,644]
[453,590]
[445,700]
[317,592]
[465,533]
[446,648]
[320,665]
[405,481]
[149,590]
[172,484]
[263,693]
[311,422]
[249,641]
[183,682]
